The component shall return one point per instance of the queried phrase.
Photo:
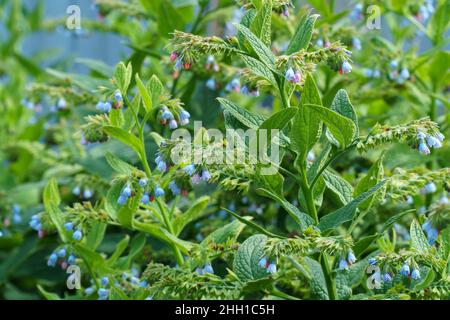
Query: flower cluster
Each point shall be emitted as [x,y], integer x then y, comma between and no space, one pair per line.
[415,133]
[347,260]
[173,114]
[206,269]
[87,192]
[270,267]
[60,256]
[77,234]
[36,224]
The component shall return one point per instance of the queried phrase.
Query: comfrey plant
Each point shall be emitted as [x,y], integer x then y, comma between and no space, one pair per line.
[331,233]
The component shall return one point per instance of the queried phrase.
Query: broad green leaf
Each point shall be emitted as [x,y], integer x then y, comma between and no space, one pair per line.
[116,118]
[196,211]
[418,239]
[146,98]
[302,219]
[124,137]
[347,212]
[261,50]
[347,279]
[375,174]
[439,23]
[364,243]
[119,165]
[306,127]
[303,34]
[279,120]
[95,235]
[122,77]
[126,212]
[262,23]
[342,128]
[98,66]
[169,19]
[319,288]
[155,87]
[244,116]
[338,186]
[120,248]
[246,261]
[228,232]
[342,105]
[259,69]
[51,202]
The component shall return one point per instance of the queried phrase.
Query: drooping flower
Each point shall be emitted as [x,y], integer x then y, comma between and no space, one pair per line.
[173,124]
[263,263]
[69,226]
[159,192]
[71,260]
[211,84]
[356,43]
[143,182]
[346,67]
[51,262]
[387,277]
[189,169]
[208,269]
[122,200]
[62,253]
[272,268]
[343,264]
[76,191]
[429,188]
[87,194]
[118,96]
[319,42]
[415,274]
[104,281]
[145,198]
[77,235]
[196,179]
[423,148]
[351,257]
[206,176]
[174,188]
[405,271]
[433,142]
[127,192]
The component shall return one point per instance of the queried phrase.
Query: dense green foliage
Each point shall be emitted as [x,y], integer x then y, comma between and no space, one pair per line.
[356,208]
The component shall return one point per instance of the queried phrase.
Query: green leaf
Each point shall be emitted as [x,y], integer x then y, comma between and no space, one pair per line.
[248,222]
[169,19]
[196,211]
[116,118]
[95,235]
[120,248]
[51,203]
[301,218]
[319,288]
[244,116]
[306,127]
[342,128]
[228,232]
[338,186]
[439,23]
[122,77]
[48,295]
[347,212]
[124,137]
[342,105]
[279,120]
[346,279]
[155,87]
[259,69]
[246,261]
[146,98]
[303,34]
[261,50]
[98,66]
[418,239]
[375,174]
[262,23]
[119,165]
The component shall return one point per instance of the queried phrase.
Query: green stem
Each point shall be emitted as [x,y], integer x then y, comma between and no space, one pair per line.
[329,279]
[177,252]
[284,97]
[277,293]
[329,162]
[307,191]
